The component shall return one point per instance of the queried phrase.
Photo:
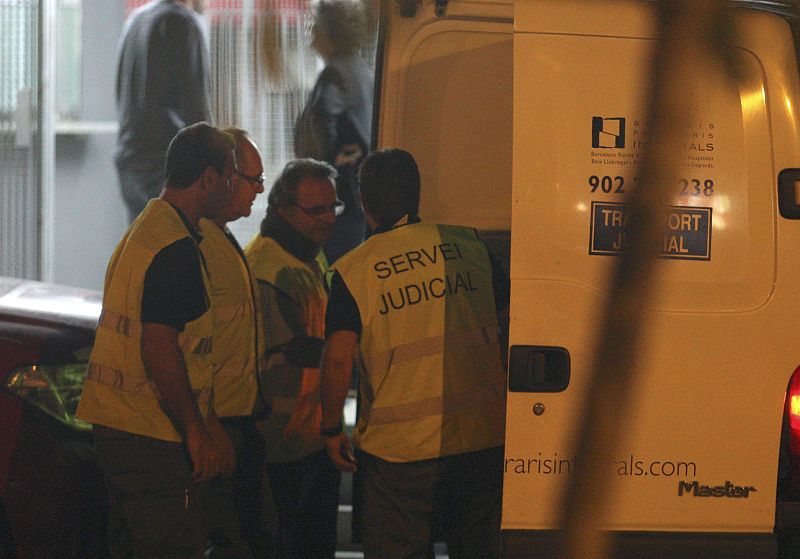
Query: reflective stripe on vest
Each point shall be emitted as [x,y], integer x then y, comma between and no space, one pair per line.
[429,346]
[132,328]
[456,403]
[120,381]
[431,406]
[119,323]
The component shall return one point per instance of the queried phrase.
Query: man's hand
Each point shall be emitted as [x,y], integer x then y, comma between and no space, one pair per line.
[223,442]
[206,456]
[340,451]
[164,365]
[337,367]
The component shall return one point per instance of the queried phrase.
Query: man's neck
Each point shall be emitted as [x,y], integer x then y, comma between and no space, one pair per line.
[186,201]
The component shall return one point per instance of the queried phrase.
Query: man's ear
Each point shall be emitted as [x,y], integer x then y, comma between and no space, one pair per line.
[208,178]
[371,221]
[282,212]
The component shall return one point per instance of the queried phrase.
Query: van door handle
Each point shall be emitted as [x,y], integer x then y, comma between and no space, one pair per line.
[789,193]
[538,369]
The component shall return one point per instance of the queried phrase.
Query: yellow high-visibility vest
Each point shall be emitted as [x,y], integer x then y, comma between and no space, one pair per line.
[433,382]
[233,305]
[117,392]
[293,305]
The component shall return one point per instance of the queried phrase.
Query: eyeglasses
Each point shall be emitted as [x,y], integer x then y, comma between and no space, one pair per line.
[258,180]
[336,207]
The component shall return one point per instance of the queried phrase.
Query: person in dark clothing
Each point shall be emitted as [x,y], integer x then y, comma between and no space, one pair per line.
[162,86]
[287,262]
[335,125]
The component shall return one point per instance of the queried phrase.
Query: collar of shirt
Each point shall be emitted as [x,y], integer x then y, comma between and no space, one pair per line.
[289,238]
[405,220]
[234,242]
[192,231]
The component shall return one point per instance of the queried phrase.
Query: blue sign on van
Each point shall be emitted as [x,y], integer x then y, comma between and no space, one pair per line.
[687,231]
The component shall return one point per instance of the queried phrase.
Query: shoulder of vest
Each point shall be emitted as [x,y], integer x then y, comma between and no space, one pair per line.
[158,226]
[354,260]
[215,236]
[206,227]
[459,229]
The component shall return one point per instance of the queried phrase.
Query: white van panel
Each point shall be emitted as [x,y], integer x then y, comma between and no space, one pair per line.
[714,265]
[450,85]
[720,344]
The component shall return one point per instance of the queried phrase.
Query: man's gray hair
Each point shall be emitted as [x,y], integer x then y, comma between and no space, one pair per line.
[284,190]
[242,138]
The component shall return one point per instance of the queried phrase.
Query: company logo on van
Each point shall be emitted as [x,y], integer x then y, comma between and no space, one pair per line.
[608,132]
[695,489]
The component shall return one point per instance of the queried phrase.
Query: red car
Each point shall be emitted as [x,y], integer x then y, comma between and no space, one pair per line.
[52,498]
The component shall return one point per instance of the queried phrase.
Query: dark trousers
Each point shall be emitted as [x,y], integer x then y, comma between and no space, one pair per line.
[306,496]
[407,504]
[139,186]
[155,511]
[238,520]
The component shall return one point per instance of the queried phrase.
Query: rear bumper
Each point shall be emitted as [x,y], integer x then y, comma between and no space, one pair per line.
[524,544]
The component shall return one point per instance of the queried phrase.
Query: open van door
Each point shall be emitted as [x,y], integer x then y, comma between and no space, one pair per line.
[697,465]
[444,94]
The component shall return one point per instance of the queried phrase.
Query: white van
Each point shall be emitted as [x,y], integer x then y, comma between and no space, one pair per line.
[527,120]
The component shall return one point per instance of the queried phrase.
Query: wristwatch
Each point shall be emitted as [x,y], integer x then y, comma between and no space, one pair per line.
[331,432]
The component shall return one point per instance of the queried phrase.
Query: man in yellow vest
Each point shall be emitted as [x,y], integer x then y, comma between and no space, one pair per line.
[148,390]
[237,527]
[286,260]
[418,303]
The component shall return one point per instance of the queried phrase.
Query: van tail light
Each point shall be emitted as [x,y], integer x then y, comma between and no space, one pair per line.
[794,401]
[792,408]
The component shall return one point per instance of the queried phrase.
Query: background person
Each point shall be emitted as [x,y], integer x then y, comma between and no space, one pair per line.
[286,260]
[162,86]
[335,125]
[418,302]
[148,389]
[236,521]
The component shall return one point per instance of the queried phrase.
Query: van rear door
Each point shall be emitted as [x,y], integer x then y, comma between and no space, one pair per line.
[700,449]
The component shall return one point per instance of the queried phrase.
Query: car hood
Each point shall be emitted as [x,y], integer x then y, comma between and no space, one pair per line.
[49,302]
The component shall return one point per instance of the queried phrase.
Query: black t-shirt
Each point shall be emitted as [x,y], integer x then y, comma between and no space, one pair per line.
[174,292]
